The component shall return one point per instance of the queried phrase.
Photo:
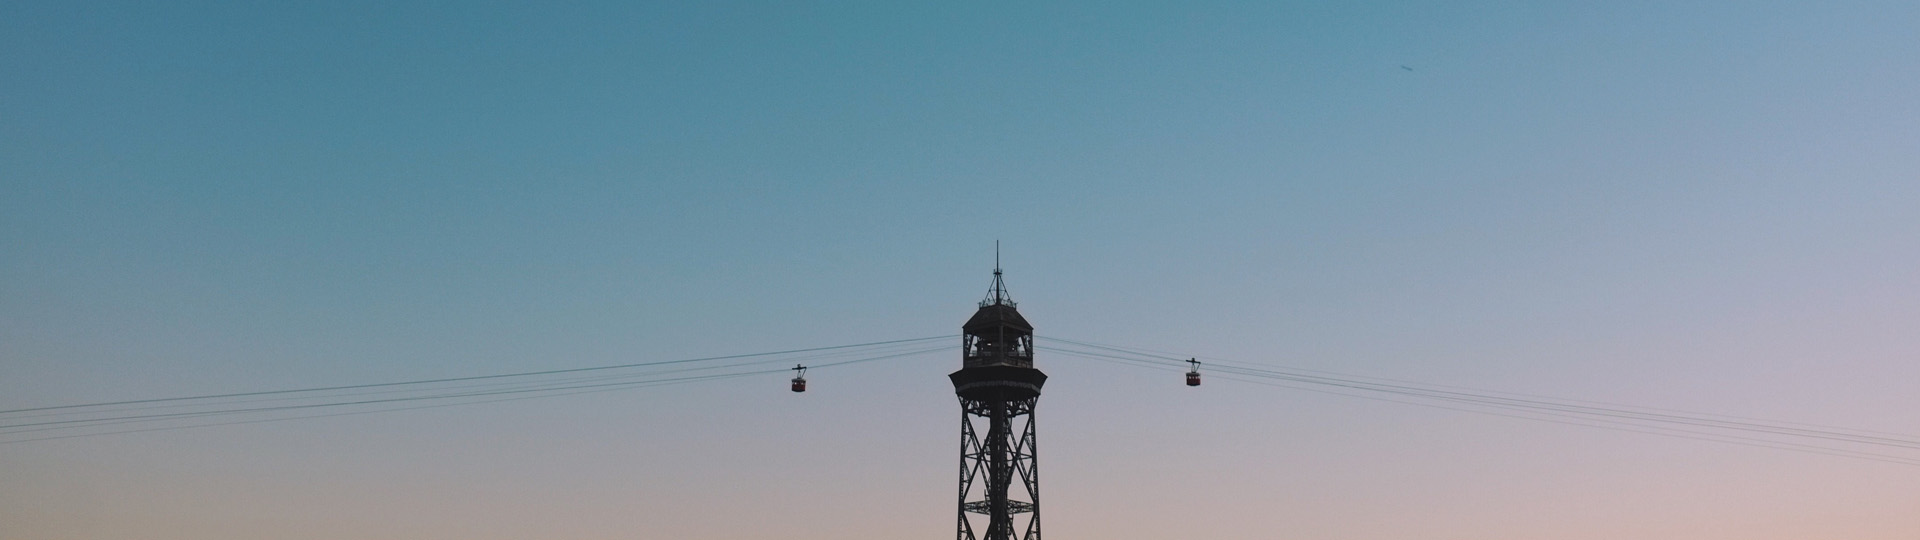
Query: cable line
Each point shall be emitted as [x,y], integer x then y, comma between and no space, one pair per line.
[542,389]
[178,405]
[1170,356]
[1668,422]
[1622,426]
[1439,392]
[535,388]
[351,413]
[472,378]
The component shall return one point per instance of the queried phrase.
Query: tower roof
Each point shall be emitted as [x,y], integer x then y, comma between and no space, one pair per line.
[997,310]
[992,316]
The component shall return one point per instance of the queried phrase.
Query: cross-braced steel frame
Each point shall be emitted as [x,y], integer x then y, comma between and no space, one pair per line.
[989,466]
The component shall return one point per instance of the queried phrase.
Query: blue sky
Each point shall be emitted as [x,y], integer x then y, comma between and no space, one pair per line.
[1703,206]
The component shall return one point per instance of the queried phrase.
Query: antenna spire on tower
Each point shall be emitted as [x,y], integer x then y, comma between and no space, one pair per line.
[998,294]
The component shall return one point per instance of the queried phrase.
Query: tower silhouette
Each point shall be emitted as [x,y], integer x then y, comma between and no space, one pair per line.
[998,388]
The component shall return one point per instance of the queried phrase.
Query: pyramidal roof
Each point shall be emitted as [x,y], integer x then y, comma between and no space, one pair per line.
[997,310]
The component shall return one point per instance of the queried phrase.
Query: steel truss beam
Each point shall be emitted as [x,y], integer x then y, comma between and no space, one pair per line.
[989,467]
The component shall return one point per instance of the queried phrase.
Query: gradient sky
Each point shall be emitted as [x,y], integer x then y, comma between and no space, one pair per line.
[1702,206]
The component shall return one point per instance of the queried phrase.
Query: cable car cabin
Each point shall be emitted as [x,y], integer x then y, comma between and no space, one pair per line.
[799,378]
[1193,378]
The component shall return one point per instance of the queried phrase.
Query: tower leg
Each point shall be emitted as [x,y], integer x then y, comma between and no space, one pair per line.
[999,524]
[1007,462]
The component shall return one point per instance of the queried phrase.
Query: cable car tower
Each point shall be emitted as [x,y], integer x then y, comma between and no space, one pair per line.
[998,388]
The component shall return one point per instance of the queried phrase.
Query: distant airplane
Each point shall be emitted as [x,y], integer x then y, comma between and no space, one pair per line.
[1404,66]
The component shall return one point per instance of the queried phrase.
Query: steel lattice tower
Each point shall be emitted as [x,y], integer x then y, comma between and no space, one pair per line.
[998,388]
